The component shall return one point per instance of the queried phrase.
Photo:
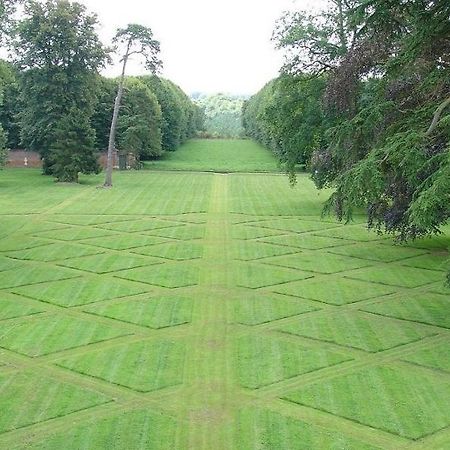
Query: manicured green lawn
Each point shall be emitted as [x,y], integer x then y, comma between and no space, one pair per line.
[209,311]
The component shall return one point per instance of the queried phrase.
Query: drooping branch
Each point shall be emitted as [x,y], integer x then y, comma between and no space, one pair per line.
[437,116]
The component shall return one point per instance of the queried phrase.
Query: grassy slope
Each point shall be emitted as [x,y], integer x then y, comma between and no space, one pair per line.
[218,155]
[213,311]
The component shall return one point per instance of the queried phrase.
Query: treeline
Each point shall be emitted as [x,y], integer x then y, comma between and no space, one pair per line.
[222,115]
[364,102]
[55,102]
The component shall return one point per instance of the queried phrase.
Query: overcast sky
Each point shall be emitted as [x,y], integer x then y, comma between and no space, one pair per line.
[207,45]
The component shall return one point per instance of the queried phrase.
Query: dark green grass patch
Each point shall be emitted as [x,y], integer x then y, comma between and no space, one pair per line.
[250,232]
[136,430]
[352,233]
[261,429]
[262,360]
[254,309]
[172,275]
[319,262]
[247,251]
[43,335]
[75,234]
[152,312]
[433,309]
[335,291]
[436,357]
[400,400]
[177,251]
[81,291]
[430,261]
[29,398]
[296,224]
[358,330]
[133,226]
[108,262]
[124,241]
[185,232]
[304,241]
[396,275]
[143,366]
[12,306]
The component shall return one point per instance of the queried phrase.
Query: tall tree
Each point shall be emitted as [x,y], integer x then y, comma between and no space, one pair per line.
[133,40]
[60,54]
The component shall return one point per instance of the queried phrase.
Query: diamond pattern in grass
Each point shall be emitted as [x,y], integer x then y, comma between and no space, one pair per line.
[254,309]
[377,252]
[435,357]
[44,335]
[157,312]
[396,275]
[142,366]
[140,225]
[165,275]
[335,291]
[124,241]
[81,291]
[297,225]
[433,309]
[263,360]
[109,262]
[54,252]
[75,234]
[12,306]
[125,431]
[90,219]
[28,398]
[306,241]
[429,261]
[36,227]
[252,232]
[184,232]
[8,264]
[20,242]
[358,330]
[178,251]
[247,251]
[255,276]
[441,242]
[352,233]
[32,274]
[403,401]
[440,288]
[319,262]
[261,429]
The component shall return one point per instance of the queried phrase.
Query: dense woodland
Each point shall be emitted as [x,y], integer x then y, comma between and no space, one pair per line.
[363,101]
[55,102]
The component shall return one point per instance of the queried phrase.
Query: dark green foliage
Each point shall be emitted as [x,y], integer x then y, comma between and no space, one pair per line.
[59,54]
[10,104]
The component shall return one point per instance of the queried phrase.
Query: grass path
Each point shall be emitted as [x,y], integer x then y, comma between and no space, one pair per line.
[209,311]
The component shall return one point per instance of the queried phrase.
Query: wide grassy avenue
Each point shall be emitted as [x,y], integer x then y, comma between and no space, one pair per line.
[214,311]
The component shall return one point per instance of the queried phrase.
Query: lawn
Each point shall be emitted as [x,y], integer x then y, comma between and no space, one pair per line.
[213,311]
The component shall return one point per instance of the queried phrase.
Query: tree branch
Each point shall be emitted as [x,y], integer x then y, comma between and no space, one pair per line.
[437,116]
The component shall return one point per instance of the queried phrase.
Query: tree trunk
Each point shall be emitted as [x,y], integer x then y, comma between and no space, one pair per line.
[112,133]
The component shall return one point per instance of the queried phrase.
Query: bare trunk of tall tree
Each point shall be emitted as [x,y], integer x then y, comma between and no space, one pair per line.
[112,133]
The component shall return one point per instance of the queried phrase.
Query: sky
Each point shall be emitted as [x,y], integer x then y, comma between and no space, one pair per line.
[207,46]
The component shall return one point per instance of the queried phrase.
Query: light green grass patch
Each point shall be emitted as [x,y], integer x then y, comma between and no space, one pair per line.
[254,309]
[75,234]
[304,241]
[378,252]
[256,276]
[335,291]
[173,275]
[431,261]
[261,429]
[11,224]
[358,330]
[124,241]
[20,242]
[142,366]
[247,251]
[136,430]
[28,398]
[400,400]
[185,232]
[353,233]
[296,224]
[44,335]
[319,262]
[440,288]
[91,219]
[246,232]
[108,262]
[436,357]
[54,252]
[12,306]
[440,243]
[36,226]
[177,251]
[263,360]
[396,275]
[139,225]
[81,291]
[33,273]
[9,264]
[432,309]
[152,312]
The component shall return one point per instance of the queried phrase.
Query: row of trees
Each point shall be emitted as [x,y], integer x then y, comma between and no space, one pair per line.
[55,102]
[364,101]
